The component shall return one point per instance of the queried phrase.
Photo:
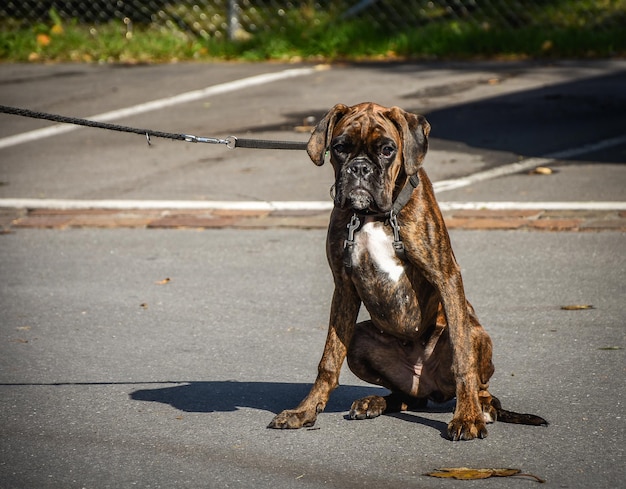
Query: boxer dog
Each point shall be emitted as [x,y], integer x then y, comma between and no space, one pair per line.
[389,249]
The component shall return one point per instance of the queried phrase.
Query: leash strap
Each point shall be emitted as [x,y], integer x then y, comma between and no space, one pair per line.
[231,142]
[266,144]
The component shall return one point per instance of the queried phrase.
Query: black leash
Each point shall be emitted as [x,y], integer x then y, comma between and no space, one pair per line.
[231,142]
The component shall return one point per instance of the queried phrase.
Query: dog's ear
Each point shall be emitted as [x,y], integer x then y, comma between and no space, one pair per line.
[322,134]
[414,130]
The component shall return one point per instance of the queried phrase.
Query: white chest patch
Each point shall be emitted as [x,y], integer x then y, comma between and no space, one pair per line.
[379,245]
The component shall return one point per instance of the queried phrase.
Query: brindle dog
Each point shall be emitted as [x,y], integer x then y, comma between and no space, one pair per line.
[389,249]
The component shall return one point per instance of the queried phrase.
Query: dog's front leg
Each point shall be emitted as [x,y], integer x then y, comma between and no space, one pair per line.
[428,248]
[468,421]
[343,314]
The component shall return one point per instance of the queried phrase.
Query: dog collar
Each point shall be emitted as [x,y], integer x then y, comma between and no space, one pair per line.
[405,194]
[392,216]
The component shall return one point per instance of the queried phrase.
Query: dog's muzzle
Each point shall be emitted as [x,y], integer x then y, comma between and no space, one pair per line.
[357,187]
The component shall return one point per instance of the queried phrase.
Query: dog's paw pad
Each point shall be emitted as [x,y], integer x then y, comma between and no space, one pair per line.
[367,408]
[291,419]
[463,429]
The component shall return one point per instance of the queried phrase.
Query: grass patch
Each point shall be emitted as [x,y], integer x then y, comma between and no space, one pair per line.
[565,28]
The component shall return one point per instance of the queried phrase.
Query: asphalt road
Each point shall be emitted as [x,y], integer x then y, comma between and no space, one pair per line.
[482,116]
[112,376]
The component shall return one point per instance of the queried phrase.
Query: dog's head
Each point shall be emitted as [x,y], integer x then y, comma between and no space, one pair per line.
[372,149]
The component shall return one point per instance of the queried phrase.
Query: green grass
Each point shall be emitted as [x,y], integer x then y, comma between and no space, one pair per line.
[563,28]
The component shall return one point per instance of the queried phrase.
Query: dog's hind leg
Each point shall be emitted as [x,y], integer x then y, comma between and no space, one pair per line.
[373,406]
[382,359]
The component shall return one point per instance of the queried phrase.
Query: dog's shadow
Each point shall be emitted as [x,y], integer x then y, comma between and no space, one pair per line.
[224,396]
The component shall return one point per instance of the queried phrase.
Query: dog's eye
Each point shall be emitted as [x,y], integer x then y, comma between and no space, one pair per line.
[340,148]
[387,151]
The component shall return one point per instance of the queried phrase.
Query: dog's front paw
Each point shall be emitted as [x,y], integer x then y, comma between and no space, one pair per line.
[291,419]
[467,429]
[368,407]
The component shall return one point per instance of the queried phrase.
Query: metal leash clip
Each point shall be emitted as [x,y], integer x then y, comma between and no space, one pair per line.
[190,138]
[348,244]
[398,245]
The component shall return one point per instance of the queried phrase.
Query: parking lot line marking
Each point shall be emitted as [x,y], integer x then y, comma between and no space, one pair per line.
[158,104]
[526,164]
[71,204]
[322,206]
[531,206]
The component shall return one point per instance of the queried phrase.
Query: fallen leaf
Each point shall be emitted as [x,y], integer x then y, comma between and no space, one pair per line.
[465,473]
[144,305]
[542,170]
[611,348]
[576,307]
[163,282]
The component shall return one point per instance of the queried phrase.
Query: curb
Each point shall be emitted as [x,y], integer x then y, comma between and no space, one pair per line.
[522,219]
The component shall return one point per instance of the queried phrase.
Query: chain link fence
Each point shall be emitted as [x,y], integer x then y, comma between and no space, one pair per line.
[234,19]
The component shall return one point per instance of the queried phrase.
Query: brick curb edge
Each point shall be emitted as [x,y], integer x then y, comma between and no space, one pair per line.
[530,220]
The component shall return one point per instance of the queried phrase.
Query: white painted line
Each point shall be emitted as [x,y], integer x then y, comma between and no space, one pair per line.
[587,148]
[160,104]
[69,204]
[547,206]
[499,171]
[322,206]
[525,165]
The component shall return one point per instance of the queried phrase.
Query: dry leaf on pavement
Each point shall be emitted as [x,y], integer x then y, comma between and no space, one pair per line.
[542,170]
[465,473]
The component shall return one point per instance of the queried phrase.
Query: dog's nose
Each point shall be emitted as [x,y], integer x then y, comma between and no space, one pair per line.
[359,168]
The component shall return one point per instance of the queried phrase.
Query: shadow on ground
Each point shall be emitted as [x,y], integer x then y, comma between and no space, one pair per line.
[523,123]
[207,397]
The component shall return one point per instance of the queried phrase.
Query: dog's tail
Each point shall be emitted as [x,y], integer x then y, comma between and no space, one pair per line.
[511,417]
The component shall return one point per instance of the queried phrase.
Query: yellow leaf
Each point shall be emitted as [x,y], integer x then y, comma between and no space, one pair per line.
[542,170]
[461,473]
[466,473]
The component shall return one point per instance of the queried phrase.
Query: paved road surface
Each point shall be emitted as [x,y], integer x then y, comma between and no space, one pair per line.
[112,376]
